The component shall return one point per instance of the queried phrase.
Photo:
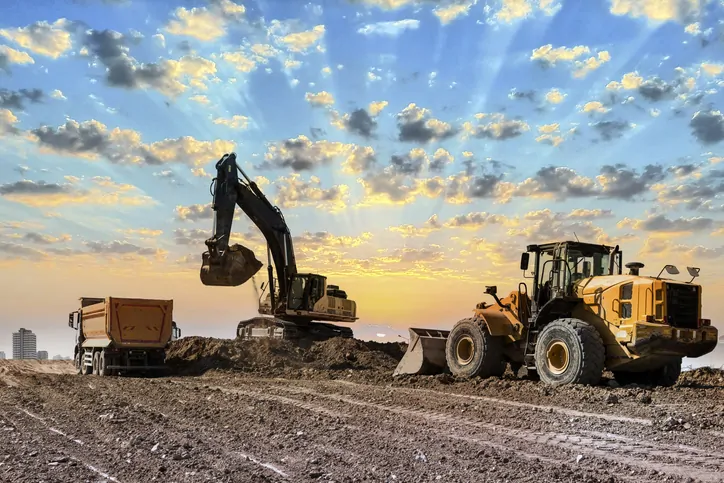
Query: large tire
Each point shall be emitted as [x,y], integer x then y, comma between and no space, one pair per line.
[569,351]
[665,376]
[103,364]
[471,351]
[78,359]
[96,363]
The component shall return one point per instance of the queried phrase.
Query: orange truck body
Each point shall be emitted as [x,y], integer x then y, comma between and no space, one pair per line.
[127,322]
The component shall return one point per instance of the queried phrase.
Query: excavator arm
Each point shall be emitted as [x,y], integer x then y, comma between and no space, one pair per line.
[232,265]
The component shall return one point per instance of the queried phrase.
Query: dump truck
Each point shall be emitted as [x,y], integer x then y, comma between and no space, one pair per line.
[118,335]
[582,316]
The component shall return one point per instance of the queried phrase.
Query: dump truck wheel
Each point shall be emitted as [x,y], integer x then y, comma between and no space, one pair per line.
[79,363]
[569,351]
[471,351]
[103,365]
[87,370]
[96,363]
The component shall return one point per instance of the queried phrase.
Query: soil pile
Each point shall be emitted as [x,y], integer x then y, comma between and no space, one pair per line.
[195,355]
[13,371]
[703,376]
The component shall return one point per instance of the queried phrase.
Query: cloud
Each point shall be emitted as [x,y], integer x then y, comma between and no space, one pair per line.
[323,98]
[289,35]
[357,122]
[293,192]
[235,122]
[546,225]
[389,29]
[324,240]
[666,248]
[166,76]
[708,126]
[142,232]
[411,163]
[250,57]
[11,56]
[549,56]
[122,247]
[16,99]
[91,139]
[610,130]
[100,191]
[8,120]
[682,11]
[440,160]
[698,193]
[194,212]
[594,106]
[431,225]
[495,126]
[416,125]
[663,225]
[512,10]
[42,38]
[303,154]
[206,23]
[193,236]
[376,107]
[554,96]
[515,94]
[43,239]
[447,14]
[58,94]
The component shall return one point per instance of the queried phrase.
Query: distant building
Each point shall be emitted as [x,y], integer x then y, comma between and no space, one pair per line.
[58,358]
[43,355]
[24,345]
[2,355]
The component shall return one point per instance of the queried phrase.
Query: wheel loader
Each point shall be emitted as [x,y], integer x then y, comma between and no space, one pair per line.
[582,316]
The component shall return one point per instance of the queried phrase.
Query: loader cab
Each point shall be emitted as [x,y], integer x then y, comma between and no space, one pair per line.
[305,290]
[559,266]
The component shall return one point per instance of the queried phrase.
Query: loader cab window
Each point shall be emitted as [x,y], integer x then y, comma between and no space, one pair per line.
[583,265]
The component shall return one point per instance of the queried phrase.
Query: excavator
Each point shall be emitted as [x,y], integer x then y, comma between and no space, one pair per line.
[297,305]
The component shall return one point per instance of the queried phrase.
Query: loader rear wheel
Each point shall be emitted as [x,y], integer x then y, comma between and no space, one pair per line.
[569,351]
[471,351]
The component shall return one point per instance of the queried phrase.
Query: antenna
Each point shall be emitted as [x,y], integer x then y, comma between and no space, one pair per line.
[574,234]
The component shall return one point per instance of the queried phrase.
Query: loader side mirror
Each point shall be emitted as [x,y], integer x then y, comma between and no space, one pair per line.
[671,270]
[524,260]
[71,319]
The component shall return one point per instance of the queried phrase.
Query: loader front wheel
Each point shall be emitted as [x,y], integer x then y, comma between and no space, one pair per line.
[471,351]
[569,351]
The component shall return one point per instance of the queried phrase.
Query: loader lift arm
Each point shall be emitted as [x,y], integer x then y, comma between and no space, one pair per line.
[300,298]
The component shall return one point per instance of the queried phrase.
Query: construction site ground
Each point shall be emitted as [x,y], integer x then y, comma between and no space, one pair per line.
[271,412]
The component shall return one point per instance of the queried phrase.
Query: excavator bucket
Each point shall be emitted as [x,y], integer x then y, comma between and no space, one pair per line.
[237,265]
[425,353]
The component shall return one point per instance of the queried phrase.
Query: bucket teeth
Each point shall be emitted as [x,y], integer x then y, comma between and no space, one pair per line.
[236,266]
[425,353]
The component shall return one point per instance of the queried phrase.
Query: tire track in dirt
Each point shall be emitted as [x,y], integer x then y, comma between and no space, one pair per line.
[404,440]
[681,461]
[71,449]
[503,446]
[115,438]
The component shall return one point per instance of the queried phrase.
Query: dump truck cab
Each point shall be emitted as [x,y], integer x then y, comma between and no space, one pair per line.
[582,314]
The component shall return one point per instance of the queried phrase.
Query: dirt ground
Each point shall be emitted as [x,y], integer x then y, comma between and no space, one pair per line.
[275,412]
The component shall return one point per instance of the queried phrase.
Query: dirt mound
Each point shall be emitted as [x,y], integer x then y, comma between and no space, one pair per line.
[703,376]
[199,354]
[12,371]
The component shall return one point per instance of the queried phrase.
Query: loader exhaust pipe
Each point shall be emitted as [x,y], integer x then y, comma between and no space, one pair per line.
[235,267]
[425,353]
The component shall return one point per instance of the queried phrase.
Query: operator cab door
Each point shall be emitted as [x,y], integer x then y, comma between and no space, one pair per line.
[305,291]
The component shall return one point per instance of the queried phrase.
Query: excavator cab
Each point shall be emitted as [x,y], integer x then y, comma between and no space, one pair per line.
[306,289]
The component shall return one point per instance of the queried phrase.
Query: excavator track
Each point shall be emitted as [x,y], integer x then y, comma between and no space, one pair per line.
[275,328]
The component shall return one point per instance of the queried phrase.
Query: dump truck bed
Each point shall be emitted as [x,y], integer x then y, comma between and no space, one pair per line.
[126,322]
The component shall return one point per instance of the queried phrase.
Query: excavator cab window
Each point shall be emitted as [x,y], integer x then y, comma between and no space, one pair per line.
[296,293]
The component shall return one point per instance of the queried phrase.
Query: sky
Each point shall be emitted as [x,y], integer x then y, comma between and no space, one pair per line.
[414,147]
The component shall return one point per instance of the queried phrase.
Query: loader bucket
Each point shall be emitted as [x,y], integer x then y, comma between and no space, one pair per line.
[425,353]
[236,266]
